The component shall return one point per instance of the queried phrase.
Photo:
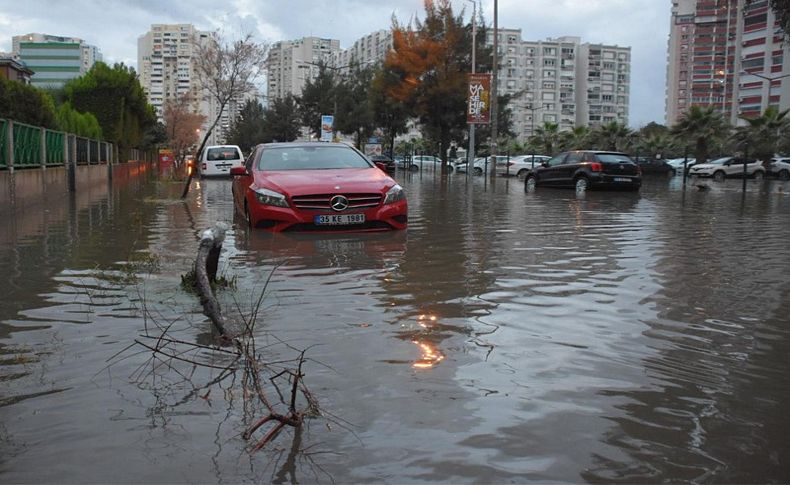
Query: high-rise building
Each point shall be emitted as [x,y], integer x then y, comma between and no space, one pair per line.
[562,81]
[165,61]
[291,63]
[166,58]
[370,49]
[54,59]
[727,54]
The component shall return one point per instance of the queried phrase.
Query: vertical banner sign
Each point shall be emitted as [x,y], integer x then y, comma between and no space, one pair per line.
[479,105]
[327,122]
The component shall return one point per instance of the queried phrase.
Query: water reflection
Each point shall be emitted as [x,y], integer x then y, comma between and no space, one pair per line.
[506,336]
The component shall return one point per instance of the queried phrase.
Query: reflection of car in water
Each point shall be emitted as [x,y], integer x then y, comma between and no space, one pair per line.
[351,250]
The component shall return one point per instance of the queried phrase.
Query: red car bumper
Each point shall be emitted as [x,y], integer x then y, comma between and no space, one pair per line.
[388,217]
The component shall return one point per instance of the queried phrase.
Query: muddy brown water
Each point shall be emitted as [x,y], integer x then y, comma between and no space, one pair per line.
[505,337]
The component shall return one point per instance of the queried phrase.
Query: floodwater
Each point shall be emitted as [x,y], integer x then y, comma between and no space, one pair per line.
[505,337]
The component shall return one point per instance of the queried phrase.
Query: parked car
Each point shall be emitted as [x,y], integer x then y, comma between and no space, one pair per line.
[728,167]
[586,169]
[677,164]
[520,165]
[316,186]
[656,166]
[217,160]
[423,160]
[481,164]
[780,167]
[386,161]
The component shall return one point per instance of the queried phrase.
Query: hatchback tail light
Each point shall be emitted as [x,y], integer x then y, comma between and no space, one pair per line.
[596,167]
[204,166]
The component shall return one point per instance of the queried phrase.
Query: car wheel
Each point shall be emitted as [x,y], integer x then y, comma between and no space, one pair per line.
[581,184]
[530,184]
[759,175]
[784,175]
[413,167]
[478,171]
[522,173]
[719,176]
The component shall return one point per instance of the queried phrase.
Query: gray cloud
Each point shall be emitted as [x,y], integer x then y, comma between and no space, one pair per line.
[114,26]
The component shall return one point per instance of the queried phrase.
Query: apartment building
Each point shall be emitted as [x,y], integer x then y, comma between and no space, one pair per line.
[727,54]
[54,59]
[562,81]
[165,61]
[370,49]
[291,63]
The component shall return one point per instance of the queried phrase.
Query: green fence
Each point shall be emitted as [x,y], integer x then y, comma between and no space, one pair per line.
[3,131]
[58,147]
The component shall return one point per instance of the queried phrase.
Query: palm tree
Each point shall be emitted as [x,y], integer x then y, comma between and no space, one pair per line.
[547,137]
[700,126]
[613,136]
[576,139]
[763,134]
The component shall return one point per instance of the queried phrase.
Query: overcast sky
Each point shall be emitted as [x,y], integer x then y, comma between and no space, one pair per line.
[114,26]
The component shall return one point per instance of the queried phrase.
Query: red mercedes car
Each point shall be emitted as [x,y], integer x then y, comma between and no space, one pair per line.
[316,186]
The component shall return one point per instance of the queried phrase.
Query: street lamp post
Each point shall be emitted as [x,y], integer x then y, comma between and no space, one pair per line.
[470,154]
[764,100]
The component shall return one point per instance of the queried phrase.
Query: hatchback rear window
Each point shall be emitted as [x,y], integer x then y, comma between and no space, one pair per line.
[225,153]
[612,157]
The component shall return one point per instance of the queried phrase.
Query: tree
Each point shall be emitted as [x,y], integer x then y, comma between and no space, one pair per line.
[281,120]
[614,136]
[82,124]
[700,126]
[763,134]
[26,104]
[318,98]
[354,108]
[430,63]
[389,113]
[226,70]
[546,137]
[246,130]
[117,100]
[578,138]
[182,126]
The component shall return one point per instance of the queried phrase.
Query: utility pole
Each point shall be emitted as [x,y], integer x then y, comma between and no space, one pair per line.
[470,154]
[494,93]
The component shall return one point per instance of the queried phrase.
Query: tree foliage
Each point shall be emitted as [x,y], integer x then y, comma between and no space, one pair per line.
[281,121]
[763,134]
[26,104]
[354,107]
[700,126]
[182,126]
[430,63]
[114,96]
[318,98]
[82,124]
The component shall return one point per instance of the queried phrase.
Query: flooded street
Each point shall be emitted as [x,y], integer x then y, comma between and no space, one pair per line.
[505,337]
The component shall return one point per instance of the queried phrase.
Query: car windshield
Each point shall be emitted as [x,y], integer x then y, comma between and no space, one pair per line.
[311,158]
[223,153]
[612,157]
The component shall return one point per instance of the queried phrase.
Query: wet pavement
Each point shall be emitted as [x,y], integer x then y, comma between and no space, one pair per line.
[505,337]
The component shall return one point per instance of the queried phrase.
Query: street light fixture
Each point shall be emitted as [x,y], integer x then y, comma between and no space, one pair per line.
[764,100]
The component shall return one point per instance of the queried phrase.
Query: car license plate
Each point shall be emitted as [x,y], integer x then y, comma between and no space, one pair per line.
[339,219]
[621,179]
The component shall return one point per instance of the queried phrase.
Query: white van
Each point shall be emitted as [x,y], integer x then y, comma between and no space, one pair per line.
[219,159]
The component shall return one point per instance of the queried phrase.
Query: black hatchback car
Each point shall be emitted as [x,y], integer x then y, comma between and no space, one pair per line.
[586,169]
[386,161]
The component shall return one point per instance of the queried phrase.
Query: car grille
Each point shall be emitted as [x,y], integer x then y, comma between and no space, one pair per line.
[322,201]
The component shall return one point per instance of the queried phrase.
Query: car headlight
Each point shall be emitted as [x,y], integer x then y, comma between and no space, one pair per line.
[394,194]
[270,197]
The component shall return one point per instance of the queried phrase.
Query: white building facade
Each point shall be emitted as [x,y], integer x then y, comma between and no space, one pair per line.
[562,81]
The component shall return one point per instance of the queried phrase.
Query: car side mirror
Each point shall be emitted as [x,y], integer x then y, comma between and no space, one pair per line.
[238,171]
